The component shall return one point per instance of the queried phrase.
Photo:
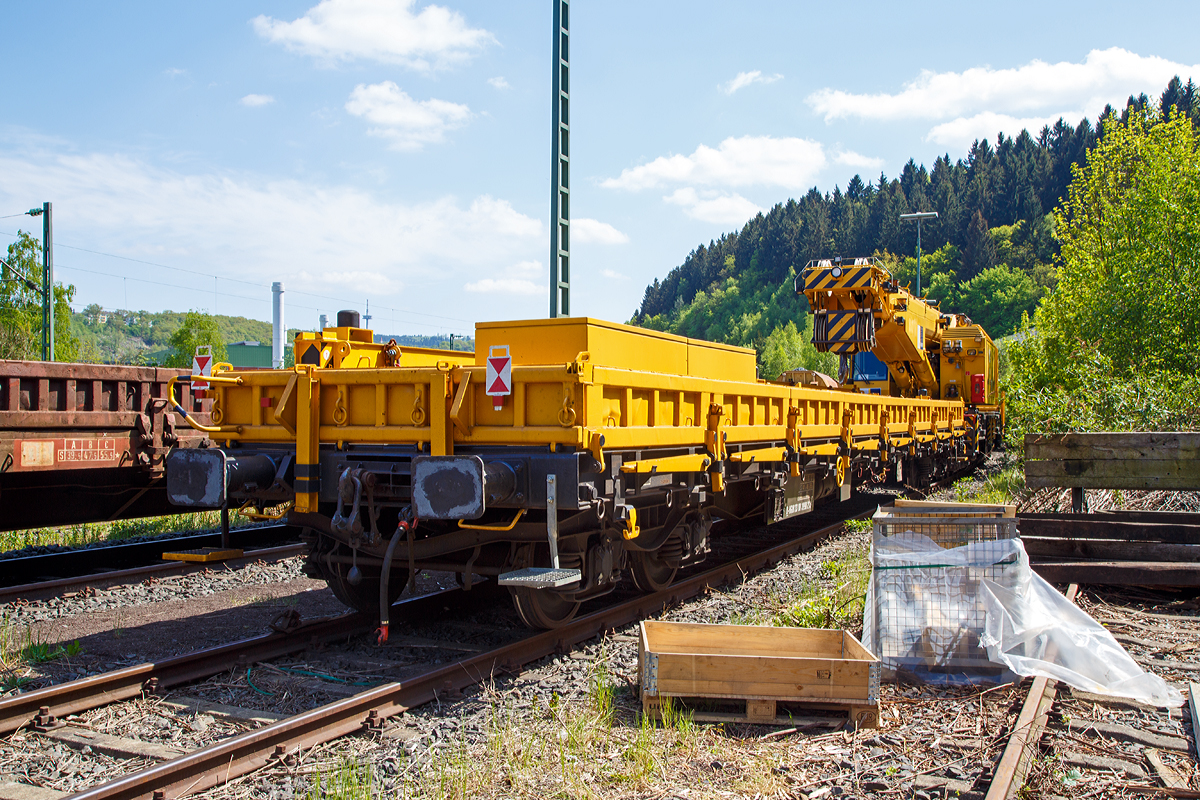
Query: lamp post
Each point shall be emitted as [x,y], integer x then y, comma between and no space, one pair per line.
[918,216]
[47,288]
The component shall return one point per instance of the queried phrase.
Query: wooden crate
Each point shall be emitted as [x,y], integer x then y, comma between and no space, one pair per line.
[808,669]
[933,508]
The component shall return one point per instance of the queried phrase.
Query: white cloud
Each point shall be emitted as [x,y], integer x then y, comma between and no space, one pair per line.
[744,79]
[523,278]
[720,208]
[174,72]
[1104,76]
[506,286]
[613,275]
[595,232]
[410,124]
[526,269]
[378,281]
[963,131]
[746,161]
[249,227]
[389,31]
[852,159]
[255,100]
[499,82]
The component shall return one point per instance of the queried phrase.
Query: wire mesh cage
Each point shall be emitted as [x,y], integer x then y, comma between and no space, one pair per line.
[927,613]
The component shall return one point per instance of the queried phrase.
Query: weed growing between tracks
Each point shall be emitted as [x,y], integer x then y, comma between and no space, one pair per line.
[835,600]
[17,654]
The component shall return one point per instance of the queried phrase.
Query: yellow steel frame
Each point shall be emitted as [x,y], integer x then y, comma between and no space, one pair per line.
[577,405]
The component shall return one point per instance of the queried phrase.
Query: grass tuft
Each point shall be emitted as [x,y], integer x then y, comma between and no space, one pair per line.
[41,652]
[92,532]
[601,691]
[1001,488]
[857,525]
[349,781]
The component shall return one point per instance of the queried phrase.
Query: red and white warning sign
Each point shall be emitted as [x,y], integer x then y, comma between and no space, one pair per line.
[498,381]
[201,365]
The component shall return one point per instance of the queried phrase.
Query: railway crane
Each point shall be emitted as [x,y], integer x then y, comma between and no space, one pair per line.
[894,343]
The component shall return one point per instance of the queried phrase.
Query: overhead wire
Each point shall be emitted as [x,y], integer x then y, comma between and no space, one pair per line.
[238,280]
[396,312]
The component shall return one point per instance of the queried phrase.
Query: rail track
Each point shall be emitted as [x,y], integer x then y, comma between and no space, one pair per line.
[59,571]
[369,710]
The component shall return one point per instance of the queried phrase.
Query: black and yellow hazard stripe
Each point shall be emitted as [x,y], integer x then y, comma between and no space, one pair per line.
[821,279]
[841,325]
[843,331]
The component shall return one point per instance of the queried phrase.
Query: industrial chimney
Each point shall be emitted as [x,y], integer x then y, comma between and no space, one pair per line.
[278,327]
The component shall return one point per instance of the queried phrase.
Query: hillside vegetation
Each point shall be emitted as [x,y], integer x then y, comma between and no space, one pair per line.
[167,337]
[993,253]
[144,337]
[1114,346]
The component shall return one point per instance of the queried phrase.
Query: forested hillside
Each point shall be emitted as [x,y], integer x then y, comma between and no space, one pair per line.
[135,337]
[991,253]
[144,337]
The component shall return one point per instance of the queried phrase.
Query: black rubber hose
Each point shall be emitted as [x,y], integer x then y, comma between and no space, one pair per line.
[384,605]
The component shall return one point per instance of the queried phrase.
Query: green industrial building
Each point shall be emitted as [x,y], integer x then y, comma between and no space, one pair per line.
[249,354]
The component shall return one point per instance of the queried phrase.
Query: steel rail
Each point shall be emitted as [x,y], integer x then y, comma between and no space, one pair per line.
[221,762]
[83,562]
[122,684]
[1014,762]
[43,589]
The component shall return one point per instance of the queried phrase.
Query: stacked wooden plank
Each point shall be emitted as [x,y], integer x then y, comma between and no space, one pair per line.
[1116,547]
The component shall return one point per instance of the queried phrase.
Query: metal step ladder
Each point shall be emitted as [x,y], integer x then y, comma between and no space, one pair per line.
[553,576]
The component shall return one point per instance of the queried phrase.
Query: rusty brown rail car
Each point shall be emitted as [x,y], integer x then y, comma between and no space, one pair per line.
[87,442]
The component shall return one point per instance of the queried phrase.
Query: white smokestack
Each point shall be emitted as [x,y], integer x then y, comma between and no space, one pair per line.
[278,328]
[324,322]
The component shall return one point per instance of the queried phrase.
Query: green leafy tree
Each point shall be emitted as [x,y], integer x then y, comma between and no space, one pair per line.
[1114,347]
[1129,279]
[997,298]
[198,329]
[788,347]
[21,306]
[940,288]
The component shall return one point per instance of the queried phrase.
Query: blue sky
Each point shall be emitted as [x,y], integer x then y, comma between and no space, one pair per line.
[398,152]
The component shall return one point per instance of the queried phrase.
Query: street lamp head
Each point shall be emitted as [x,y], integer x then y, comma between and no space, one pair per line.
[920,215]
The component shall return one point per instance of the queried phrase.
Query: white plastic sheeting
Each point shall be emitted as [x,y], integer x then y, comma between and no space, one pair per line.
[948,611]
[1037,631]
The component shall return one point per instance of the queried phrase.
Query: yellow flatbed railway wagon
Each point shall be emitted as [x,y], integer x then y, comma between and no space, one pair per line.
[561,454]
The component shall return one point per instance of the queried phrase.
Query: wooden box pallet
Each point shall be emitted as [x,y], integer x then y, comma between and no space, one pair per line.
[794,714]
[707,668]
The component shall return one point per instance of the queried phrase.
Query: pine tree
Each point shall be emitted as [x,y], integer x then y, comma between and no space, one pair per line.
[979,251]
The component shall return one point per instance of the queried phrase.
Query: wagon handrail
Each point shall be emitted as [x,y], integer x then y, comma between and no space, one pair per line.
[188,417]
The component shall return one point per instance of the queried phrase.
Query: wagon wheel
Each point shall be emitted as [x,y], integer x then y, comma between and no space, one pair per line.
[541,608]
[655,571]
